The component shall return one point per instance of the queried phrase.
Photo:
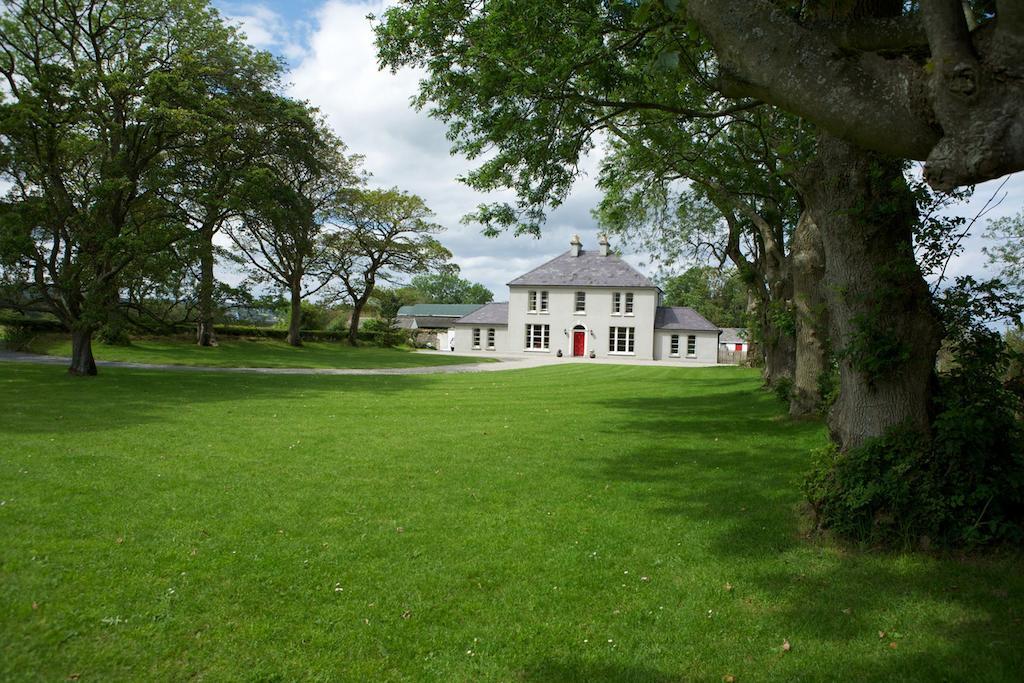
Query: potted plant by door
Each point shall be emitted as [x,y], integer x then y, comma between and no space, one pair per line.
[592,354]
[559,353]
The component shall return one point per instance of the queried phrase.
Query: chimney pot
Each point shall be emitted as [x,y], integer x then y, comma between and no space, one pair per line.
[575,243]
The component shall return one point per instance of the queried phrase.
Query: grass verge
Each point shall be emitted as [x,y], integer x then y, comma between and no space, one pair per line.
[576,523]
[252,353]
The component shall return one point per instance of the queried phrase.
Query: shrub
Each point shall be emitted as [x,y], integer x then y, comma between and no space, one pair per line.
[314,316]
[383,333]
[783,388]
[17,337]
[114,334]
[960,485]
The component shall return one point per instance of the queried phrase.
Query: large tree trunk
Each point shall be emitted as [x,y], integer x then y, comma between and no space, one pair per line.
[778,344]
[295,317]
[204,329]
[82,362]
[777,348]
[808,261]
[358,304]
[883,325]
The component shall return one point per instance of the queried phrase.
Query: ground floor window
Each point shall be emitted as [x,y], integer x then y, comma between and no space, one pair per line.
[476,337]
[673,348]
[691,346]
[490,338]
[620,340]
[538,337]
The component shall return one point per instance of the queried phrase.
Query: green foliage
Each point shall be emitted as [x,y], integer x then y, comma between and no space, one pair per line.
[382,236]
[828,384]
[114,333]
[720,296]
[16,337]
[1008,251]
[781,317]
[446,287]
[960,485]
[36,324]
[276,332]
[874,346]
[384,333]
[104,103]
[880,493]
[314,316]
[783,388]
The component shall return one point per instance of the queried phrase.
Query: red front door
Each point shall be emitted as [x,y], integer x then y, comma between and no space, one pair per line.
[579,341]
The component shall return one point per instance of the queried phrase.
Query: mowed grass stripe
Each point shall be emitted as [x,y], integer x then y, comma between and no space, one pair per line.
[561,523]
[234,352]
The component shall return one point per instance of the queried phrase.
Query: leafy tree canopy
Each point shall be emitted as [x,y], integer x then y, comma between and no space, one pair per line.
[720,296]
[446,287]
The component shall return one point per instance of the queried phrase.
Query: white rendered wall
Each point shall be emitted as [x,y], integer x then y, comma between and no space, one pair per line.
[464,339]
[707,346]
[597,319]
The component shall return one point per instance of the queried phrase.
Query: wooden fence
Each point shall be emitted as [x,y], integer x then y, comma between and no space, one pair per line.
[731,357]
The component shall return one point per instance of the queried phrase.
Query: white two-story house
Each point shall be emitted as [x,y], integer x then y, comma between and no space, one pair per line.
[588,304]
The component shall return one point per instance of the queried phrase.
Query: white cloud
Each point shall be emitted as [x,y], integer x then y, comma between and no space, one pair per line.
[266,29]
[370,109]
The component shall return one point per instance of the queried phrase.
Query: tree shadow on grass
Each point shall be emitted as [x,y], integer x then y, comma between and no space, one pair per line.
[747,483]
[42,399]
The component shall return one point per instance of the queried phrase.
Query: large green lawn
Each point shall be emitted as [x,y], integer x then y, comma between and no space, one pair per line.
[252,353]
[567,523]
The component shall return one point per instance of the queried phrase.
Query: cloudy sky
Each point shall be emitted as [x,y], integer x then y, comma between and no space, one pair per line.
[328,45]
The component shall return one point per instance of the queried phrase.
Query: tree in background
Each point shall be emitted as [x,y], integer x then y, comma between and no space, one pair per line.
[718,295]
[381,235]
[716,191]
[385,326]
[211,169]
[290,195]
[99,96]
[446,287]
[1008,253]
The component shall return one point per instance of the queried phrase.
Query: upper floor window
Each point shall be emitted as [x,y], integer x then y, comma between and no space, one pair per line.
[629,303]
[581,302]
[616,303]
[543,302]
[620,340]
[691,345]
[531,301]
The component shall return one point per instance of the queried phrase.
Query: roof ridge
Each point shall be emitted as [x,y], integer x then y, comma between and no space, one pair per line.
[587,269]
[534,270]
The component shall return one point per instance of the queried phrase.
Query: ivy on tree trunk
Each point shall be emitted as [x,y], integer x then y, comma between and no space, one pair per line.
[884,327]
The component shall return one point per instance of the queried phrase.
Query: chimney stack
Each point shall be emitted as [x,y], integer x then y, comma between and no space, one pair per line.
[575,243]
[602,241]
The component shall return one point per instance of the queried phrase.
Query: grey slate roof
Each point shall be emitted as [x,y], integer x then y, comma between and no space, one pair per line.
[589,269]
[425,322]
[447,310]
[488,314]
[681,318]
[732,335]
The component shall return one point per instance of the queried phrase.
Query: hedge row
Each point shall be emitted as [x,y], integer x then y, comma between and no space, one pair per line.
[33,324]
[48,325]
